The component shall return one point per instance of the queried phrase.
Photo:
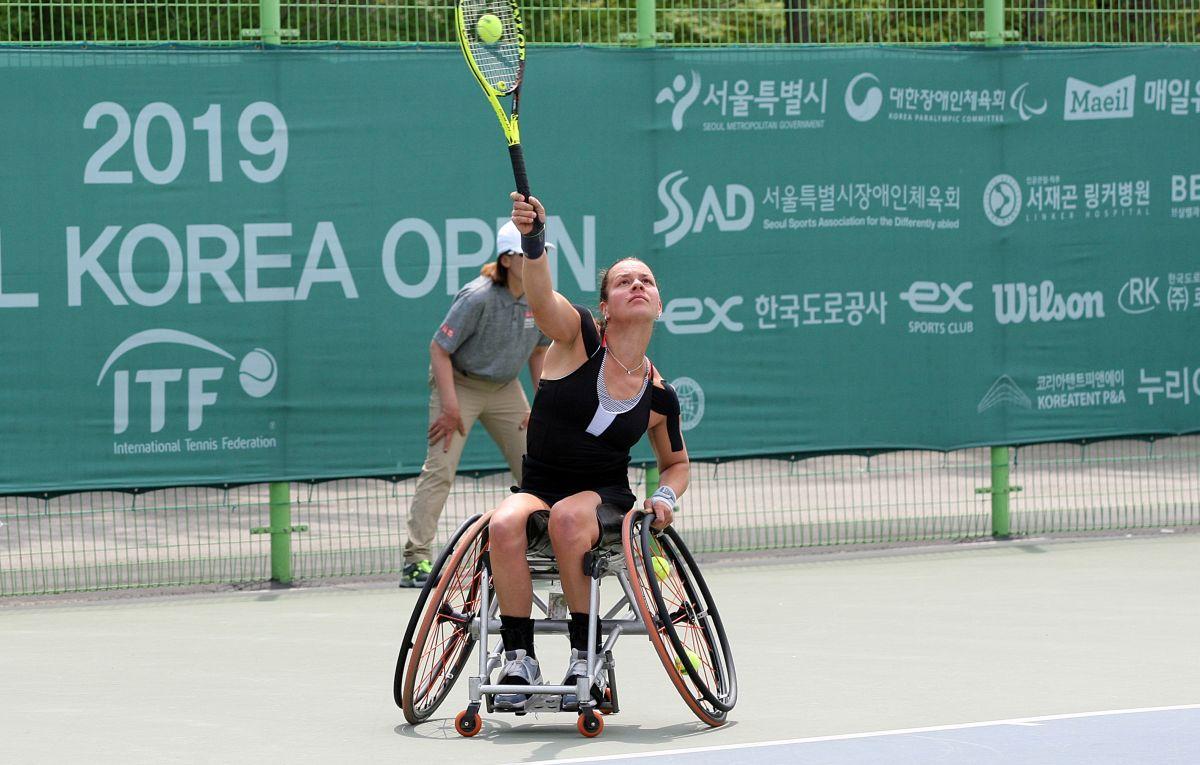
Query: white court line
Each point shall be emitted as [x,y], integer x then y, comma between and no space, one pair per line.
[872,734]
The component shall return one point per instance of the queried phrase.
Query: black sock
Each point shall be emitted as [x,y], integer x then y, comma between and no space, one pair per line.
[517,632]
[578,631]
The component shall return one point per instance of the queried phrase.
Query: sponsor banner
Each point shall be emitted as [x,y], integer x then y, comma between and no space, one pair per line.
[228,268]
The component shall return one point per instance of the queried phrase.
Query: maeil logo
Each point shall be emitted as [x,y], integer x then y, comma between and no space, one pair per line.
[257,375]
[1085,101]
[863,103]
[1018,302]
[734,212]
[682,95]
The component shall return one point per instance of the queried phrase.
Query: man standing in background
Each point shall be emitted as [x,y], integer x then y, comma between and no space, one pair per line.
[475,357]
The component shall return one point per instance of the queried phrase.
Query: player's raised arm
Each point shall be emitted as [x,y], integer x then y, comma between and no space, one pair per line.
[554,314]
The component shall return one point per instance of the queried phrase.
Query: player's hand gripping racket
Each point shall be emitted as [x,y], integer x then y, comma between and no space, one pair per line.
[493,43]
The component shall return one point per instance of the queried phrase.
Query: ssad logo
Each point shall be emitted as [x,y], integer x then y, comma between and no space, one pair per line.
[872,98]
[681,95]
[932,297]
[1139,295]
[1018,302]
[734,213]
[1002,200]
[258,373]
[1024,110]
[1085,101]
[691,402]
[1003,391]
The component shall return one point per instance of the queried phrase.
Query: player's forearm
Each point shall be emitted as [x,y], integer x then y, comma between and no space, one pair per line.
[677,476]
[443,376]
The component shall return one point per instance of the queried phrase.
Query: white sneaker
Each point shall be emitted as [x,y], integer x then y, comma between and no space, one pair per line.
[519,669]
[577,668]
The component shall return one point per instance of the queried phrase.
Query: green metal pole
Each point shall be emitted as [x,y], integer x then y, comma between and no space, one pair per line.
[1000,492]
[993,22]
[281,532]
[269,11]
[652,480]
[645,39]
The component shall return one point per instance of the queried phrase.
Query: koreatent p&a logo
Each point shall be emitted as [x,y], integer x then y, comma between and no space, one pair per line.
[164,383]
[730,210]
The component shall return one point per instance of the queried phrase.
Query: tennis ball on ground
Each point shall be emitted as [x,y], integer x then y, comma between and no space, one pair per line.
[489,28]
[662,568]
[693,659]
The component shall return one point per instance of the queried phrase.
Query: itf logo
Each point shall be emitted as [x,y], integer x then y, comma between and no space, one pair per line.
[681,95]
[736,214]
[1002,200]
[872,98]
[257,375]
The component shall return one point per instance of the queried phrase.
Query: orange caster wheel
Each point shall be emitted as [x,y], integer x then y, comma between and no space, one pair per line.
[590,724]
[607,709]
[467,723]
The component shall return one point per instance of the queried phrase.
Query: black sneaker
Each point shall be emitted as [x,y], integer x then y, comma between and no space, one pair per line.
[416,574]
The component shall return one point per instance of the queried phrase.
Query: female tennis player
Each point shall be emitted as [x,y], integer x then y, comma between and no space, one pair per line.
[598,395]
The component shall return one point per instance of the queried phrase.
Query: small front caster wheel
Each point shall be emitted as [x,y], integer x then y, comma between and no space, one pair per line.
[467,723]
[590,724]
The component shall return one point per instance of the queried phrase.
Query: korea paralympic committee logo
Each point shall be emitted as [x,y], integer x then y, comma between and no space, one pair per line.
[258,374]
[872,99]
[1002,200]
[681,95]
[691,402]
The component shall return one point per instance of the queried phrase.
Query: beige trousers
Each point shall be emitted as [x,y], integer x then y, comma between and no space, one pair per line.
[501,407]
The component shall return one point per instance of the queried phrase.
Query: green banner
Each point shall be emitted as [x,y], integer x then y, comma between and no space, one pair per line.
[226,266]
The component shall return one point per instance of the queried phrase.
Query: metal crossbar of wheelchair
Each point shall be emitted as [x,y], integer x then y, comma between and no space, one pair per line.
[597,565]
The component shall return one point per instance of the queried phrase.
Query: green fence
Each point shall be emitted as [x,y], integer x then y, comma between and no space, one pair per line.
[196,536]
[607,22]
[304,531]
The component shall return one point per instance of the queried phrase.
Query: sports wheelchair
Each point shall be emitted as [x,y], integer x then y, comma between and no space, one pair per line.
[663,596]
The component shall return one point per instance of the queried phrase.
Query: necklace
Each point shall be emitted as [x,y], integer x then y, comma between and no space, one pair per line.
[628,371]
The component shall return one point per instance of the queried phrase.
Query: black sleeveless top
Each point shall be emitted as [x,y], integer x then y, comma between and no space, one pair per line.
[574,444]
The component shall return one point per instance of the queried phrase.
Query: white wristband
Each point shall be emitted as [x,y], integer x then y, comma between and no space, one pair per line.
[665,494]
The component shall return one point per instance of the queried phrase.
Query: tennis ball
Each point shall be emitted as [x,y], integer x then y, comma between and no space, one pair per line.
[662,568]
[693,659]
[489,28]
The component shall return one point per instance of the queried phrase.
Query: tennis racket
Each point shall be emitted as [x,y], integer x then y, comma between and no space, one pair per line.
[498,65]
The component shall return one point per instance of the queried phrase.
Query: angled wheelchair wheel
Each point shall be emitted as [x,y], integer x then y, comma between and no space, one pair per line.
[441,624]
[681,618]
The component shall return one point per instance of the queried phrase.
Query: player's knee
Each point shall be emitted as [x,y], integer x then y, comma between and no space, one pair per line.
[572,522]
[506,530]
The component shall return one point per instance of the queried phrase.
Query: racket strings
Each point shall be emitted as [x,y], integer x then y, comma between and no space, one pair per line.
[500,62]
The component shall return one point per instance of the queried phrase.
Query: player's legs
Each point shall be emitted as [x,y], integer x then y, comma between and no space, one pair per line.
[437,474]
[574,531]
[503,417]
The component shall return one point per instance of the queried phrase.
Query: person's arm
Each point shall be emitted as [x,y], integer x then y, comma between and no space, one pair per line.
[536,360]
[674,471]
[554,314]
[450,418]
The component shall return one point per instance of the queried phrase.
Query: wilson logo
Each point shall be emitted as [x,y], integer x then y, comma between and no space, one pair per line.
[1019,302]
[733,213]
[1085,101]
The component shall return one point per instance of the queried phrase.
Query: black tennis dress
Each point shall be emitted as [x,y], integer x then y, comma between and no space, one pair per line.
[579,438]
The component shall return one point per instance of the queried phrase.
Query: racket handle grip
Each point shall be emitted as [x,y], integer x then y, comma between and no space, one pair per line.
[518,164]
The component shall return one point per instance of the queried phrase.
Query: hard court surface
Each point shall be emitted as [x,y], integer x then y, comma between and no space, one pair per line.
[971,654]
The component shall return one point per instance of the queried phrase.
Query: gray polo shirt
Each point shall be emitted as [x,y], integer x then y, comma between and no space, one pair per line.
[488,333]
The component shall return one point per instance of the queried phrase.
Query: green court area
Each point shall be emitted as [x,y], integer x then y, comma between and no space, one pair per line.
[826,644]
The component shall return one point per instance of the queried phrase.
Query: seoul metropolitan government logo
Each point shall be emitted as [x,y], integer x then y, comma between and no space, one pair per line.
[1002,200]
[691,402]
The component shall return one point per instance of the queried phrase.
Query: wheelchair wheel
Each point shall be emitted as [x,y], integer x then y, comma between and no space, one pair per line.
[443,640]
[414,621]
[681,618]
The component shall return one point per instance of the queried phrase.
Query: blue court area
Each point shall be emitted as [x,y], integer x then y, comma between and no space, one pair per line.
[1163,736]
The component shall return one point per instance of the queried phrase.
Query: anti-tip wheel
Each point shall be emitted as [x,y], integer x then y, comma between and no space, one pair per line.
[590,724]
[467,723]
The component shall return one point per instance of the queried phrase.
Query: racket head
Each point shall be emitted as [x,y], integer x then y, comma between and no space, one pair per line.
[498,66]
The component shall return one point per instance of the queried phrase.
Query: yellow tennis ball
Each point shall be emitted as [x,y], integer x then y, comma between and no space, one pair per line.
[693,659]
[662,568]
[489,28]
